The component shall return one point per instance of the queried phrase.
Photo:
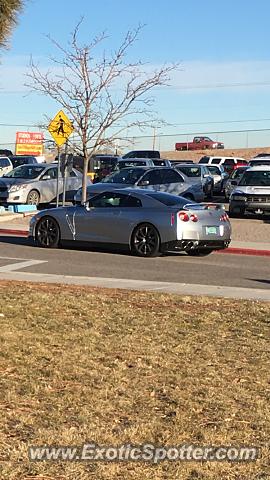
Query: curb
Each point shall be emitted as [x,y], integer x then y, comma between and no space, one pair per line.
[245,251]
[231,250]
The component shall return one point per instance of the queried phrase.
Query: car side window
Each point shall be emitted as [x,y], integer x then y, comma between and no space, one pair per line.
[153,177]
[72,174]
[229,161]
[171,176]
[131,202]
[109,199]
[52,173]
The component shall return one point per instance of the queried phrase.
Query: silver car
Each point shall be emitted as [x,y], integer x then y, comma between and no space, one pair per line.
[36,183]
[233,180]
[252,194]
[146,222]
[198,174]
[161,179]
[220,177]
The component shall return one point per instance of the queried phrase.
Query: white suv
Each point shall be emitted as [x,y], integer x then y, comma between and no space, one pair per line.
[5,166]
[229,163]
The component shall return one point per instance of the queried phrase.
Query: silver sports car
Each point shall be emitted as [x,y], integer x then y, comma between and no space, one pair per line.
[147,222]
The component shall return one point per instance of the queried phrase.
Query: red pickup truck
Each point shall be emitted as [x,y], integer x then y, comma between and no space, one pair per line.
[199,143]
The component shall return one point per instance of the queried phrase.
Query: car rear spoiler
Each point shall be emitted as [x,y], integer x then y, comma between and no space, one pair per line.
[204,206]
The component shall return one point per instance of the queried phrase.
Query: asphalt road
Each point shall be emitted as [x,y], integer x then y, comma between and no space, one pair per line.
[219,269]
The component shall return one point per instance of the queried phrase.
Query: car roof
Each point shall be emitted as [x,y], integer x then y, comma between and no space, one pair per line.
[259,168]
[140,159]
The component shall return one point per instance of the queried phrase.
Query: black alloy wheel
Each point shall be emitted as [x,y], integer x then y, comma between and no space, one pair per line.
[47,233]
[145,241]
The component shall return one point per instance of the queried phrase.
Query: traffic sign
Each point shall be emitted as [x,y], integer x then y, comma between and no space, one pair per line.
[60,128]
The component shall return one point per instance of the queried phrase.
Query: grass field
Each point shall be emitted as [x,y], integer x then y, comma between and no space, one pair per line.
[80,364]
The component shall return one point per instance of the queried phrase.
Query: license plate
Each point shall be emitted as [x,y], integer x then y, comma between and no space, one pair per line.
[212,230]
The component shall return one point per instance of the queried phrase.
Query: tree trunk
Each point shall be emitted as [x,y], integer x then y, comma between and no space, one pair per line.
[84,180]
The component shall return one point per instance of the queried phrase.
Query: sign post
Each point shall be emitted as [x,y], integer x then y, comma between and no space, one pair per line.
[60,129]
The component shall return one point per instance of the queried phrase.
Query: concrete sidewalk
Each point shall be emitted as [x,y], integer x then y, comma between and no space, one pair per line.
[249,236]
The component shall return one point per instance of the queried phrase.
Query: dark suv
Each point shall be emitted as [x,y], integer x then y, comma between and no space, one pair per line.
[18,160]
[142,154]
[5,153]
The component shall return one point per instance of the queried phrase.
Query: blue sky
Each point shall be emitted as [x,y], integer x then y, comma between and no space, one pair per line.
[222,48]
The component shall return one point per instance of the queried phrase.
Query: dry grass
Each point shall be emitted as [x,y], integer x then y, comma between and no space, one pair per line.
[115,367]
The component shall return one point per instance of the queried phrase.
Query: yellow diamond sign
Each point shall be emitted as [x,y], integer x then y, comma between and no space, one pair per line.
[60,128]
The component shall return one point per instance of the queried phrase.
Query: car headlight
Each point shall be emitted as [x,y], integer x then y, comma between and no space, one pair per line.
[239,198]
[15,188]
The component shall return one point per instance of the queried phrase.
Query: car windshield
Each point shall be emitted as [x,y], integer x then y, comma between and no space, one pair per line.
[132,163]
[127,175]
[258,178]
[190,171]
[256,163]
[26,171]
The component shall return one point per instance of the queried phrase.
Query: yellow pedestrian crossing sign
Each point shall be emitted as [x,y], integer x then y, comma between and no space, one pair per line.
[60,128]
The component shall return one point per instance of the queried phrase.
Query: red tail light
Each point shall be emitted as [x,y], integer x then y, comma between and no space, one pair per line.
[183,216]
[172,219]
[224,218]
[194,217]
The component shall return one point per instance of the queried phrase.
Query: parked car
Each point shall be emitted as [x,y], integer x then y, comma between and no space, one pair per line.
[144,221]
[177,162]
[264,155]
[233,180]
[255,162]
[158,178]
[36,183]
[199,143]
[162,162]
[18,160]
[229,163]
[5,153]
[198,174]
[5,166]
[142,154]
[252,194]
[220,177]
[134,162]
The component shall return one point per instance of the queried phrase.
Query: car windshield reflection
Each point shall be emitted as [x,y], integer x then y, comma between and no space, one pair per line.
[25,171]
[126,176]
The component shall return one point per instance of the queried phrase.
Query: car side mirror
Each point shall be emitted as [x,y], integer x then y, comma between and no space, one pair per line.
[88,205]
[46,177]
[206,175]
[234,182]
[143,183]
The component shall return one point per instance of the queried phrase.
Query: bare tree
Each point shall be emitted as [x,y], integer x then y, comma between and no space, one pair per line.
[9,10]
[102,95]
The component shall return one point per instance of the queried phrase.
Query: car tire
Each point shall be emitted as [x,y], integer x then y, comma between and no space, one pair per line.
[47,234]
[234,214]
[33,197]
[199,253]
[210,194]
[145,241]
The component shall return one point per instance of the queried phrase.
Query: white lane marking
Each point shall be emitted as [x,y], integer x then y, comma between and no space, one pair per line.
[19,265]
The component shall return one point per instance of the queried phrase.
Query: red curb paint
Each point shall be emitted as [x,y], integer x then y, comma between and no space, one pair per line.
[19,233]
[245,251]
